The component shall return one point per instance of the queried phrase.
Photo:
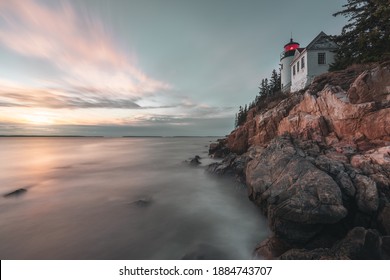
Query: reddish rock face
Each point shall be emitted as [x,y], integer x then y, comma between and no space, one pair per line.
[319,162]
[331,115]
[237,141]
[371,86]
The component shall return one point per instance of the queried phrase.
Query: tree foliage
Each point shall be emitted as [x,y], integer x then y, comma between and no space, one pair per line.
[267,88]
[366,36]
[241,116]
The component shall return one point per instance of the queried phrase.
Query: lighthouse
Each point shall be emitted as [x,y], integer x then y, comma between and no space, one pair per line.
[286,58]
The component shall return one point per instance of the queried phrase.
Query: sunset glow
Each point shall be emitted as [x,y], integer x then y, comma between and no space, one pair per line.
[128,66]
[38,119]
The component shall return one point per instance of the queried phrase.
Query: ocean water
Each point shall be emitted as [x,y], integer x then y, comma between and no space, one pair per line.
[120,198]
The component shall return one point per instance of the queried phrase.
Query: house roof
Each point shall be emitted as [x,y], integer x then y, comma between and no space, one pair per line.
[320,42]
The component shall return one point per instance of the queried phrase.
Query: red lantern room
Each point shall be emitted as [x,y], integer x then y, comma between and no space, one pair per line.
[289,48]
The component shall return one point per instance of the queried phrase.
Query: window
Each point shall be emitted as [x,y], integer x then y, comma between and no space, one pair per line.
[303,62]
[321,58]
[294,70]
[298,66]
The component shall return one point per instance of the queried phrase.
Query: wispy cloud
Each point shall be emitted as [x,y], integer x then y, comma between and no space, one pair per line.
[195,115]
[78,45]
[55,99]
[95,75]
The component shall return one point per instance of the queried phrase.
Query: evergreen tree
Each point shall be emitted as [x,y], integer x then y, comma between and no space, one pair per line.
[261,88]
[264,87]
[240,116]
[366,36]
[274,85]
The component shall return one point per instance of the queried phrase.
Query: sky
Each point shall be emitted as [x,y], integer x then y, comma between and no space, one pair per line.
[143,67]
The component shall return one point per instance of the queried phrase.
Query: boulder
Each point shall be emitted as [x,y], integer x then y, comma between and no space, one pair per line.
[359,244]
[15,193]
[271,248]
[232,165]
[386,246]
[143,202]
[298,197]
[213,147]
[219,149]
[345,183]
[195,160]
[371,85]
[384,219]
[367,198]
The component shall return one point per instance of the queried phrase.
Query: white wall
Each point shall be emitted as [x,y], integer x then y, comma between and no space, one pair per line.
[299,80]
[285,73]
[312,69]
[315,69]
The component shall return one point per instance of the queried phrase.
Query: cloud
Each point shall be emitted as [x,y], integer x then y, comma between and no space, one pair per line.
[93,72]
[14,95]
[76,44]
[56,99]
[198,114]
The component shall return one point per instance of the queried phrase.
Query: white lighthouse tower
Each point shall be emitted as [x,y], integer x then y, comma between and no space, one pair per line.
[286,58]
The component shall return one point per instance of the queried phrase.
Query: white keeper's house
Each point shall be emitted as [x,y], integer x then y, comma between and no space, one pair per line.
[299,66]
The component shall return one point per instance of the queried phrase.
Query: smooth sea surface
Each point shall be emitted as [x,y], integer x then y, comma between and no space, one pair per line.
[120,198]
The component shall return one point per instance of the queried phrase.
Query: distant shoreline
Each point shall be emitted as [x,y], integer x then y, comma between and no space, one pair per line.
[81,136]
[53,136]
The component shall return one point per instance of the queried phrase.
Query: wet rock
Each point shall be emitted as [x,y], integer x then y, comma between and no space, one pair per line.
[346,185]
[219,149]
[367,198]
[303,254]
[213,147]
[143,202]
[15,193]
[294,233]
[195,160]
[328,165]
[384,219]
[297,196]
[386,246]
[271,248]
[359,244]
[231,165]
[382,181]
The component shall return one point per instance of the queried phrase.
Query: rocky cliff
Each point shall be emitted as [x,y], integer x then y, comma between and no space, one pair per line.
[317,163]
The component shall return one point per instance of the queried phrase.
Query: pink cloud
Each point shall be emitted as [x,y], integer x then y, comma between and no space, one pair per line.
[78,45]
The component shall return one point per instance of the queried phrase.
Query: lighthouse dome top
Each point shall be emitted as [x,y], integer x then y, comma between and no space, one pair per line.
[290,46]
